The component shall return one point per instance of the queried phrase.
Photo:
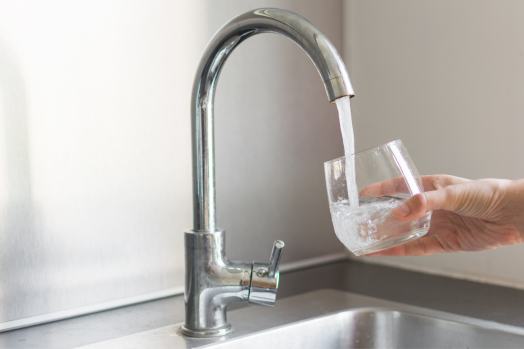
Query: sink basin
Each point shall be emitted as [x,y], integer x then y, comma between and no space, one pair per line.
[378,328]
[336,319]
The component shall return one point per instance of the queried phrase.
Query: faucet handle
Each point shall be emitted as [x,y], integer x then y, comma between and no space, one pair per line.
[264,278]
[274,260]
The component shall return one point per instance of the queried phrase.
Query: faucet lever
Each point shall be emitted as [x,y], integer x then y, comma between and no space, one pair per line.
[264,278]
[274,260]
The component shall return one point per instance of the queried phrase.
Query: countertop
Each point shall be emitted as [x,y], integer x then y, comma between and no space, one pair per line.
[479,300]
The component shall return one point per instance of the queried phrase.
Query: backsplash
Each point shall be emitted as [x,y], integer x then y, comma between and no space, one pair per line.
[95,152]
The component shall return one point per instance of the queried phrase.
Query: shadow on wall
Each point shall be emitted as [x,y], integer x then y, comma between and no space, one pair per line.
[21,251]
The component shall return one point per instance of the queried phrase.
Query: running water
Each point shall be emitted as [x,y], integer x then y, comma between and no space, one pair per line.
[348,138]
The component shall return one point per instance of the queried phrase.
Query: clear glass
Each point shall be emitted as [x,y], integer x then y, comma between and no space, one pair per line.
[385,177]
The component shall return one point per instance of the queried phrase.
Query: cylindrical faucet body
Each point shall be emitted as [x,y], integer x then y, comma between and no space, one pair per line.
[212,282]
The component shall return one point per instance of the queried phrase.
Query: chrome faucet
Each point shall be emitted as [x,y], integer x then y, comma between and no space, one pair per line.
[212,281]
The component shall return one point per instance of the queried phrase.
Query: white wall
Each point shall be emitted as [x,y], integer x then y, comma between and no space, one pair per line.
[446,77]
[95,153]
[94,150]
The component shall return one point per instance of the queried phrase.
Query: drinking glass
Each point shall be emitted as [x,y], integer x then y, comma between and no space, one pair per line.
[381,178]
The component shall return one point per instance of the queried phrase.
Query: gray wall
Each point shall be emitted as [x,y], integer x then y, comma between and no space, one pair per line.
[274,129]
[446,77]
[95,186]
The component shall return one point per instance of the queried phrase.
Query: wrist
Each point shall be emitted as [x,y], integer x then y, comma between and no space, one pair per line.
[515,203]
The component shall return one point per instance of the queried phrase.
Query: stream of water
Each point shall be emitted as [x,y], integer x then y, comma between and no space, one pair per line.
[348,138]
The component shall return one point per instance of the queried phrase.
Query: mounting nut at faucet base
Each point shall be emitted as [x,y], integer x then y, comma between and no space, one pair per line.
[215,332]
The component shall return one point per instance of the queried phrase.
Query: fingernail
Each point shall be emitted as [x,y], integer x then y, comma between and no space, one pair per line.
[400,211]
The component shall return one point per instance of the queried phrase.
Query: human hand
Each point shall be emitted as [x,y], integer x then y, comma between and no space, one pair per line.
[467,215]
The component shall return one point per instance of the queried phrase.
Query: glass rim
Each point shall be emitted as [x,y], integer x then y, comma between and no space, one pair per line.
[396,141]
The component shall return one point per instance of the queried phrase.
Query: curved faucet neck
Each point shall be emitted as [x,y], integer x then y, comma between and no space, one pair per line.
[316,45]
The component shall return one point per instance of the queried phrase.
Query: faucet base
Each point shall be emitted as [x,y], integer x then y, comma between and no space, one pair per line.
[216,332]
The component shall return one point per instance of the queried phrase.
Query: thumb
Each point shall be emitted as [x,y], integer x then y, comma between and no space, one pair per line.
[420,204]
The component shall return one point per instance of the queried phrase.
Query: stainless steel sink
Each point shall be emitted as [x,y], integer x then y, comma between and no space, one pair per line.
[336,319]
[378,328]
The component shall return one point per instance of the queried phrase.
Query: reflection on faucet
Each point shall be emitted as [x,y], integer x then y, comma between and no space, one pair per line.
[212,281]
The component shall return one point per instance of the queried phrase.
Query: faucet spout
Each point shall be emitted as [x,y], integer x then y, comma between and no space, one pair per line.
[267,20]
[212,281]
